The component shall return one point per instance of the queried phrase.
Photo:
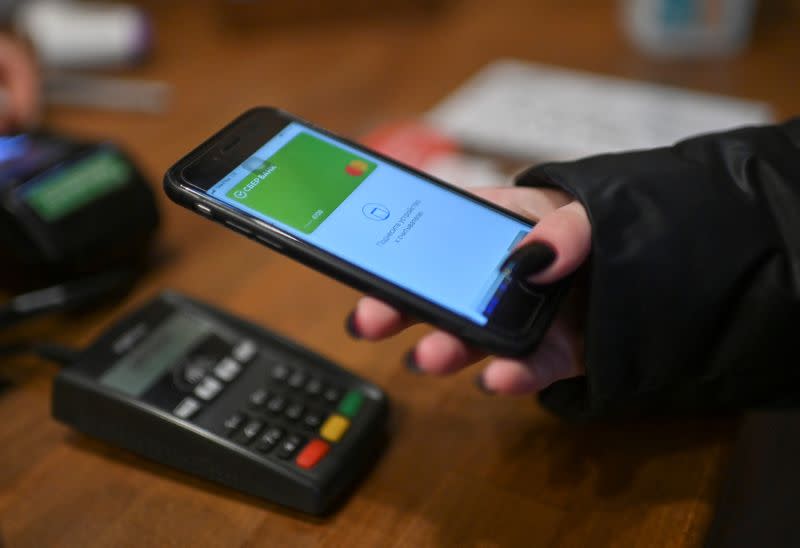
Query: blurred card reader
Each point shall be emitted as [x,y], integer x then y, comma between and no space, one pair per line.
[69,206]
[190,386]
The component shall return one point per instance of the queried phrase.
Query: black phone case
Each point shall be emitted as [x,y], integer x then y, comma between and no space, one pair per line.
[493,341]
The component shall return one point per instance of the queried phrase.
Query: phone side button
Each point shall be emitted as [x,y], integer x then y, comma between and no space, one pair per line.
[239,228]
[203,210]
[269,243]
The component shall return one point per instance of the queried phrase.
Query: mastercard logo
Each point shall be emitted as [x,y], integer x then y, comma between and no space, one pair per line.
[356,168]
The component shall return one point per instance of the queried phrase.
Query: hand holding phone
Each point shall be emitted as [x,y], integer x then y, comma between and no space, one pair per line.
[565,226]
[432,250]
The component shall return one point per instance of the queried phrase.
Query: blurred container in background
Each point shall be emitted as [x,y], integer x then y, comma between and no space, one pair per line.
[84,34]
[688,28]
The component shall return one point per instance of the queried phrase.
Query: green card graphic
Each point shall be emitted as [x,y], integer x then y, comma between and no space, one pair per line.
[303,182]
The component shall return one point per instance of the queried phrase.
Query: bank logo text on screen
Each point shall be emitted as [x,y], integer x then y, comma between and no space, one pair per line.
[303,182]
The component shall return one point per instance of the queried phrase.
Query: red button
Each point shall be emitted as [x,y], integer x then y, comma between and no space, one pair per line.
[312,453]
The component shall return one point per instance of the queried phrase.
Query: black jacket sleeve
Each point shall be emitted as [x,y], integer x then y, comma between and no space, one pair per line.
[694,275]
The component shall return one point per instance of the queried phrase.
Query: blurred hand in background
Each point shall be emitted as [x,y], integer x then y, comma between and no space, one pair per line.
[20,85]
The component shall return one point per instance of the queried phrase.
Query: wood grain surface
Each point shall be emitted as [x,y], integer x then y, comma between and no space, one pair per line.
[463,468]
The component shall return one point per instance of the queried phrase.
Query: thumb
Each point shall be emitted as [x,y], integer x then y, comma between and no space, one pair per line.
[556,247]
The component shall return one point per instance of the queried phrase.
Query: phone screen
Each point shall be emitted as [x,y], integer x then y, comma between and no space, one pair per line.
[397,225]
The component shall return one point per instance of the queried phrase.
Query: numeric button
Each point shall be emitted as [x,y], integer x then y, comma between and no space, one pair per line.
[279,372]
[233,423]
[314,387]
[294,411]
[312,420]
[296,379]
[276,404]
[268,439]
[289,446]
[250,431]
[259,397]
[332,394]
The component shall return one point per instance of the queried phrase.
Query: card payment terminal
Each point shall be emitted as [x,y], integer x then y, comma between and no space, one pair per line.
[192,387]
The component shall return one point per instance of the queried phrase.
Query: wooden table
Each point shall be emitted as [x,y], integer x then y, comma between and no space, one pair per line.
[463,469]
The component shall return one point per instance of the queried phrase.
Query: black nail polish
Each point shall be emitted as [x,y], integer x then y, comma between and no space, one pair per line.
[350,325]
[410,361]
[481,384]
[528,260]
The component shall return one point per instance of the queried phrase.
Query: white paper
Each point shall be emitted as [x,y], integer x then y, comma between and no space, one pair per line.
[536,112]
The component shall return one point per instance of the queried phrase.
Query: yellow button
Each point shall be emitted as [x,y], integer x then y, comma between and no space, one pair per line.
[334,428]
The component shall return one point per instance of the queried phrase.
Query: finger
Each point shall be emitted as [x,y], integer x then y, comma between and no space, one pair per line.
[440,353]
[373,319]
[553,361]
[20,78]
[557,246]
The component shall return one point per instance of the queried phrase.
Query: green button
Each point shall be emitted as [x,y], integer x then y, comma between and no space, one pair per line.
[351,403]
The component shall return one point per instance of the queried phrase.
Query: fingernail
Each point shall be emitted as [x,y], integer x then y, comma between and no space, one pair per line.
[481,384]
[410,361]
[350,325]
[528,260]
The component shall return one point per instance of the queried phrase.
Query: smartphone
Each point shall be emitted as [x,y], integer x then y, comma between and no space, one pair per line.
[428,248]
